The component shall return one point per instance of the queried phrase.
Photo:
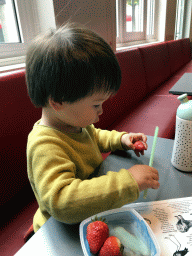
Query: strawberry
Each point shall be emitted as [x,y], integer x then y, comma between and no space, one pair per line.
[139,146]
[97,233]
[112,247]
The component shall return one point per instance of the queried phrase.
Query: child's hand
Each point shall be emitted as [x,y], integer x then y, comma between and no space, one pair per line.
[145,176]
[127,141]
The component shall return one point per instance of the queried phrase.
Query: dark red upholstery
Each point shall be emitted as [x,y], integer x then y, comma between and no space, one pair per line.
[186,49]
[142,103]
[166,86]
[187,68]
[176,56]
[17,118]
[133,87]
[151,112]
[127,107]
[156,64]
[12,234]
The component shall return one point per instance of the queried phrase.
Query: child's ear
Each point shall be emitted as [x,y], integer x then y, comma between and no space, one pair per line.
[55,105]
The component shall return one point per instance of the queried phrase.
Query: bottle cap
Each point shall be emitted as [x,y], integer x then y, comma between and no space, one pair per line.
[184,111]
[183,98]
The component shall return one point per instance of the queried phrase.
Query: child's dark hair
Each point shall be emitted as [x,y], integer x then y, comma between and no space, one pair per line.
[69,64]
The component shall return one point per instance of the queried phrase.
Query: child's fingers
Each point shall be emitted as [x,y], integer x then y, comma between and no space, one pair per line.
[155,172]
[139,136]
[155,176]
[137,153]
[155,184]
[142,136]
[146,146]
[153,179]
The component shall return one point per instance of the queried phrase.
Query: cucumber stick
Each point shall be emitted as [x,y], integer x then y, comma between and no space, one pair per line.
[130,241]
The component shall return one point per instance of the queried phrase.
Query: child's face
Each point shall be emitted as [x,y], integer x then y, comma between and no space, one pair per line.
[84,112]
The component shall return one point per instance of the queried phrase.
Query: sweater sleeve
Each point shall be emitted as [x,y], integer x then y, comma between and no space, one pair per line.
[69,199]
[108,140]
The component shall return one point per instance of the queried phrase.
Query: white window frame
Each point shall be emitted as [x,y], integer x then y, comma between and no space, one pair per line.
[179,20]
[130,39]
[34,17]
[130,36]
[184,28]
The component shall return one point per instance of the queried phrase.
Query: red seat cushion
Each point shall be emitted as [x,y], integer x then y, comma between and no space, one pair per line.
[154,111]
[164,89]
[176,56]
[29,232]
[187,68]
[186,48]
[17,118]
[156,64]
[13,232]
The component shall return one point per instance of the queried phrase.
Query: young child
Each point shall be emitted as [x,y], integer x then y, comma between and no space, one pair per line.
[70,72]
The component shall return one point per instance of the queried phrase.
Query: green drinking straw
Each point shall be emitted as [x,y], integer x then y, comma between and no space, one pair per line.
[152,154]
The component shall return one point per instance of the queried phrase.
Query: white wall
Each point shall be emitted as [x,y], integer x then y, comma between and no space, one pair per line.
[170,20]
[160,19]
[98,15]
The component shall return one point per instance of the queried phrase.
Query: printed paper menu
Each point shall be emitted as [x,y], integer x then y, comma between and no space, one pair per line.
[171,223]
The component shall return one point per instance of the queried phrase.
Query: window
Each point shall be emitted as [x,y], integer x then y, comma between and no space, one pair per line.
[9,28]
[179,19]
[183,19]
[135,20]
[150,18]
[134,16]
[20,22]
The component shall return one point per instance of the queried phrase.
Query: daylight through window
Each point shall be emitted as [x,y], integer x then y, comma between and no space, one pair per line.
[9,29]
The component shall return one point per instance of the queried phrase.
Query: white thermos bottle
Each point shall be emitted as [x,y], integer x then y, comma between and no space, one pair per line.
[182,149]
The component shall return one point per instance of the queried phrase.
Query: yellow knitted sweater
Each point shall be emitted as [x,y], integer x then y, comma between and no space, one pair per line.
[59,165]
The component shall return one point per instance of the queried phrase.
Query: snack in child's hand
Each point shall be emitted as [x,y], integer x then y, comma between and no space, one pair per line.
[139,146]
[97,233]
[112,247]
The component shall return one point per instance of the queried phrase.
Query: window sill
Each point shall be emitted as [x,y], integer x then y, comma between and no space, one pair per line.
[12,64]
[124,46]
